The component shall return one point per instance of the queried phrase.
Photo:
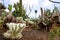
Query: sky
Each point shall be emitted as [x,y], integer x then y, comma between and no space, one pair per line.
[34,5]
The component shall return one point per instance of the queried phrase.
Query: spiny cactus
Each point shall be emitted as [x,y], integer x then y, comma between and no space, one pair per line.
[19,10]
[14,31]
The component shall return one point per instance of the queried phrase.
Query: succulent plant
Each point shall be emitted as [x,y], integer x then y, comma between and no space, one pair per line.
[14,31]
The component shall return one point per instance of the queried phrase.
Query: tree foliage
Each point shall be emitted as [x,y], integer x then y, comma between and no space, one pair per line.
[2,6]
[54,1]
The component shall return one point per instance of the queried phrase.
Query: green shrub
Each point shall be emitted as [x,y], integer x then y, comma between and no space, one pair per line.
[54,33]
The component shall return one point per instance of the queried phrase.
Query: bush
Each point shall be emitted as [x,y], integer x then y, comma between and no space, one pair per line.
[54,33]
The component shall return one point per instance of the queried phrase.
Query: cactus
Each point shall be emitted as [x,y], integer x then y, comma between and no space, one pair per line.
[15,30]
[10,7]
[19,10]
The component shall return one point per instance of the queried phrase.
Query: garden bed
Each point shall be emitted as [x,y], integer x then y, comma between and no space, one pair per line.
[31,34]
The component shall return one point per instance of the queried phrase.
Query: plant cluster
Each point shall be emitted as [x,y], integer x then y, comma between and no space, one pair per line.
[15,30]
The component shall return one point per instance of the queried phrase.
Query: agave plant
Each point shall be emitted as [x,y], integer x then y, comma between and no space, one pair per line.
[14,31]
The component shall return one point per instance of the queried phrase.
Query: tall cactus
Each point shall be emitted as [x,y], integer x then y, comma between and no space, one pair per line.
[18,8]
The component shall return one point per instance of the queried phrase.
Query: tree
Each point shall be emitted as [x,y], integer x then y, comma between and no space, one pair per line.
[56,9]
[2,12]
[54,1]
[2,6]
